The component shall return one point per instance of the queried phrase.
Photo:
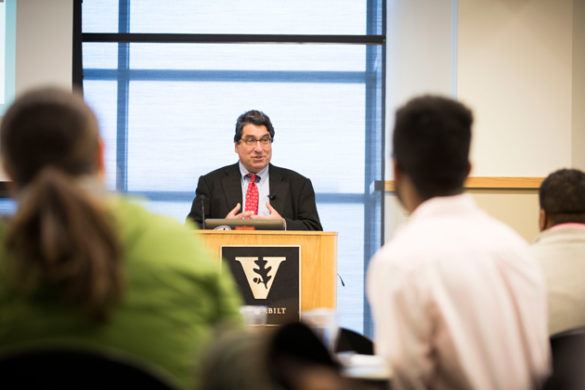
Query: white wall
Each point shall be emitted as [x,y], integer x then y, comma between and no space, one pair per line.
[515,71]
[420,54]
[44,31]
[578,141]
[519,67]
[43,50]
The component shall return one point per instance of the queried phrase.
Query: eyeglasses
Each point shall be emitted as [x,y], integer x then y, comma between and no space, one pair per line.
[251,141]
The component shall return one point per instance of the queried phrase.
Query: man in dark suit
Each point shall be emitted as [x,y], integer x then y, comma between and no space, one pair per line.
[278,193]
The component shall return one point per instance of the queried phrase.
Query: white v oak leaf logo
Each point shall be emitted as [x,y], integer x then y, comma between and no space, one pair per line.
[260,273]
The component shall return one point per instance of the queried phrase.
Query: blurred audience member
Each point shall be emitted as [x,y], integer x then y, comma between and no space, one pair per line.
[457,299]
[83,268]
[289,357]
[560,247]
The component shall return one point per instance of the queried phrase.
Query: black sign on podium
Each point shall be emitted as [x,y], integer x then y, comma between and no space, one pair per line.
[268,276]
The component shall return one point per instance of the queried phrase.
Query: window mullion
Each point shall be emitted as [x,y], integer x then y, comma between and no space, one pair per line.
[122,99]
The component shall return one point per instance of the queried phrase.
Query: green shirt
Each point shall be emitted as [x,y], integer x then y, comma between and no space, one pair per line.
[174,297]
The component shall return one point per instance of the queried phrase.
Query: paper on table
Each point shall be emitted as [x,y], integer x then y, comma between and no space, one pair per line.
[363,366]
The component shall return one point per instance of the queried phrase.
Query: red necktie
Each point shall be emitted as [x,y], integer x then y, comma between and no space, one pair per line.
[252,195]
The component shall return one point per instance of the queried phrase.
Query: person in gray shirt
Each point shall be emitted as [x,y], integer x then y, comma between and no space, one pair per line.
[560,247]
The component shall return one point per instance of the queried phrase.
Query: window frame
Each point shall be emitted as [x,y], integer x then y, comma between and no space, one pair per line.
[373,79]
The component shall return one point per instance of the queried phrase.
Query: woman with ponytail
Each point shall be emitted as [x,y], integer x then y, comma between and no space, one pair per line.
[84,268]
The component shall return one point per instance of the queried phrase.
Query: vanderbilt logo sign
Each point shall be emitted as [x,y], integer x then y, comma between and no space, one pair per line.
[260,273]
[267,276]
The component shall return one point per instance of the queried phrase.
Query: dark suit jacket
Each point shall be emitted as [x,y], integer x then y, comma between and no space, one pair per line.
[292,195]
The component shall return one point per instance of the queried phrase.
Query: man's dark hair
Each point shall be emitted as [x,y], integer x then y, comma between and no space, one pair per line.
[255,117]
[562,196]
[431,140]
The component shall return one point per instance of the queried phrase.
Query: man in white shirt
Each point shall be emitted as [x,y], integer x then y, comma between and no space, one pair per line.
[457,299]
[560,247]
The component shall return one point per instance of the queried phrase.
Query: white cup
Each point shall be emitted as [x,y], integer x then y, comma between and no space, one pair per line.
[253,315]
[323,322]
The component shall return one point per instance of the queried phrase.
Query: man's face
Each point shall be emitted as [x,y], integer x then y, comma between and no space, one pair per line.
[255,156]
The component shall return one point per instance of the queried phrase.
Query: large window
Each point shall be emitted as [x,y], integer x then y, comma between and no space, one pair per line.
[169,79]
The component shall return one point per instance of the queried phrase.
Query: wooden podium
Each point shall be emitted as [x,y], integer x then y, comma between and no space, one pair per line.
[318,258]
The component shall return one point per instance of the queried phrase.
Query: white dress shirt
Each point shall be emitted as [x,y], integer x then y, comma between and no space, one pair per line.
[459,302]
[561,253]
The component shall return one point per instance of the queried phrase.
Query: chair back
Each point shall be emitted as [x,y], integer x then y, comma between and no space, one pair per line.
[568,358]
[75,369]
[349,340]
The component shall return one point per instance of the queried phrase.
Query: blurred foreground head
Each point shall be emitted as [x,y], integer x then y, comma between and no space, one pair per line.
[61,236]
[431,141]
[287,357]
[49,128]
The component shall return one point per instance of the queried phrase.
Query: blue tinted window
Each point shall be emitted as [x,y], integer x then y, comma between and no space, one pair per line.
[167,110]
